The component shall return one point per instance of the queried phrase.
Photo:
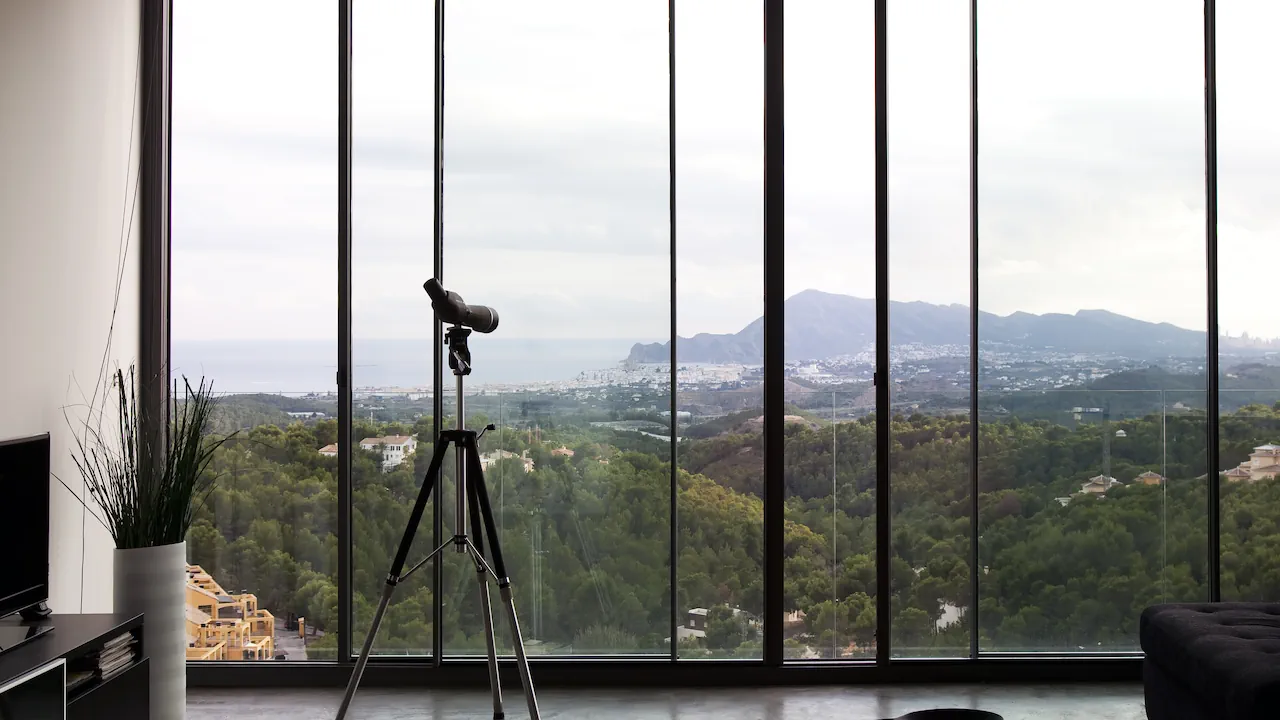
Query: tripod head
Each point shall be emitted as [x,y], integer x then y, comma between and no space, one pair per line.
[459,352]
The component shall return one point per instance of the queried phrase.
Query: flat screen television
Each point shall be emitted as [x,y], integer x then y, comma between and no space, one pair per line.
[24,525]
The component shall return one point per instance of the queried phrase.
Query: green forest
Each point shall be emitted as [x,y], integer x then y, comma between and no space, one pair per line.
[587,535]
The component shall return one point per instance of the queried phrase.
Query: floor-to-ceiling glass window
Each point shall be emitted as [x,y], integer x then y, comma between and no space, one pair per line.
[1248,233]
[391,327]
[830,328]
[929,252]
[1092,333]
[556,213]
[1091,441]
[254,233]
[719,274]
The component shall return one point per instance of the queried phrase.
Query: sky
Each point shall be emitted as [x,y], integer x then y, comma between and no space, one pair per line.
[556,200]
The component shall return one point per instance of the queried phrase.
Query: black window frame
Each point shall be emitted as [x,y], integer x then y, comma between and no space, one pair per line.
[156,38]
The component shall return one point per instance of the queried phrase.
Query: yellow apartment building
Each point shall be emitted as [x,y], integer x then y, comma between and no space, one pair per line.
[225,626]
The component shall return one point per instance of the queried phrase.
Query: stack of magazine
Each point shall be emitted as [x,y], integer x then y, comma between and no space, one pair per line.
[116,656]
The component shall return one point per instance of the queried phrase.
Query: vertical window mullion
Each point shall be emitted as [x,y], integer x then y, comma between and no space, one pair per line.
[345,450]
[774,339]
[1212,405]
[974,426]
[437,331]
[884,566]
[673,517]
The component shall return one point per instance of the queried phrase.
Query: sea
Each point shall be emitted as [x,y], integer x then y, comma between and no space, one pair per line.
[307,366]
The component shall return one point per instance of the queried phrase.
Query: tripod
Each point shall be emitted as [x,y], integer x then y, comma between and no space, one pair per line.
[472,502]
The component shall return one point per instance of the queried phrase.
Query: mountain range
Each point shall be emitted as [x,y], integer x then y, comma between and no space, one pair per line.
[822,325]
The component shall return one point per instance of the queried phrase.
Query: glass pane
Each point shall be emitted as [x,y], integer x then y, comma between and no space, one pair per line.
[556,212]
[929,466]
[1092,385]
[255,166]
[720,272]
[831,324]
[1249,431]
[392,214]
[1248,227]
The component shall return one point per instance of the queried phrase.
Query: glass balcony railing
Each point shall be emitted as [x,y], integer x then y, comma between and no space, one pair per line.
[579,481]
[830,457]
[1249,449]
[1091,505]
[262,578]
[930,480]
[719,521]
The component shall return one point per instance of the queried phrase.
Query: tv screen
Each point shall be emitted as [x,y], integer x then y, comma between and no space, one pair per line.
[24,523]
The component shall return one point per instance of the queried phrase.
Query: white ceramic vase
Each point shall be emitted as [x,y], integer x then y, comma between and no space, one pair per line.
[153,581]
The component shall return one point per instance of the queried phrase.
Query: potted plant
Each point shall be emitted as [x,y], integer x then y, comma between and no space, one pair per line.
[144,489]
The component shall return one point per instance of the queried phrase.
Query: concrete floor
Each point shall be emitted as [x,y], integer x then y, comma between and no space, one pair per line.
[1113,701]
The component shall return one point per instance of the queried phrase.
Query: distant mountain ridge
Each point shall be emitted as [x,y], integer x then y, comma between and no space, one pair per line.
[821,325]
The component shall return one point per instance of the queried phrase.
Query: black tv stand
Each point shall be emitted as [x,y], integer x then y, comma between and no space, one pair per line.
[75,644]
[14,633]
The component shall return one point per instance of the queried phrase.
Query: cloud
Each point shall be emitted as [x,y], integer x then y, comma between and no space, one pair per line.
[1091,165]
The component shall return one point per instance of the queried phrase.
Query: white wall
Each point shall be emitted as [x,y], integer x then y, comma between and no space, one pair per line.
[67,183]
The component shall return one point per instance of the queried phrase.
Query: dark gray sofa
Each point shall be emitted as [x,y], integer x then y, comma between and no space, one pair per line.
[1212,661]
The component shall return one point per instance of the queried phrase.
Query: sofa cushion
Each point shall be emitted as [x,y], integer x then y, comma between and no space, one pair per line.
[1228,654]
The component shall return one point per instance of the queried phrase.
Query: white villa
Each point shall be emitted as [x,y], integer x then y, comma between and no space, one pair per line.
[1099,485]
[1263,464]
[490,459]
[696,623]
[395,448]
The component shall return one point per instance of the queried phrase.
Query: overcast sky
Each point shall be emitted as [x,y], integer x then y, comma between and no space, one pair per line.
[556,167]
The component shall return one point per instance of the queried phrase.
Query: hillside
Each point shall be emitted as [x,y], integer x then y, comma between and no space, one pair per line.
[1136,393]
[823,325]
[1054,575]
[243,411]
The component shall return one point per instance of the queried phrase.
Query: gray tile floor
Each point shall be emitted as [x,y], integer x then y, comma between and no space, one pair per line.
[1115,701]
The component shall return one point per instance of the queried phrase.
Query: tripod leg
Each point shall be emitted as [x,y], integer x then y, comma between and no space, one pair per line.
[393,575]
[429,482]
[365,651]
[486,610]
[476,471]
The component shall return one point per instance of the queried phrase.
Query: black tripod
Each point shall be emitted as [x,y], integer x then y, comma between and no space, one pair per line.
[472,502]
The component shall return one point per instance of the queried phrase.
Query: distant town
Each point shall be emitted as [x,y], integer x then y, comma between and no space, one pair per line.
[916,368]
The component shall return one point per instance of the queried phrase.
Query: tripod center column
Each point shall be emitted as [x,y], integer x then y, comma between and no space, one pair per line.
[460,471]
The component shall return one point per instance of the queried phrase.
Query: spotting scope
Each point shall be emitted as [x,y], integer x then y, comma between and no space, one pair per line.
[452,310]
